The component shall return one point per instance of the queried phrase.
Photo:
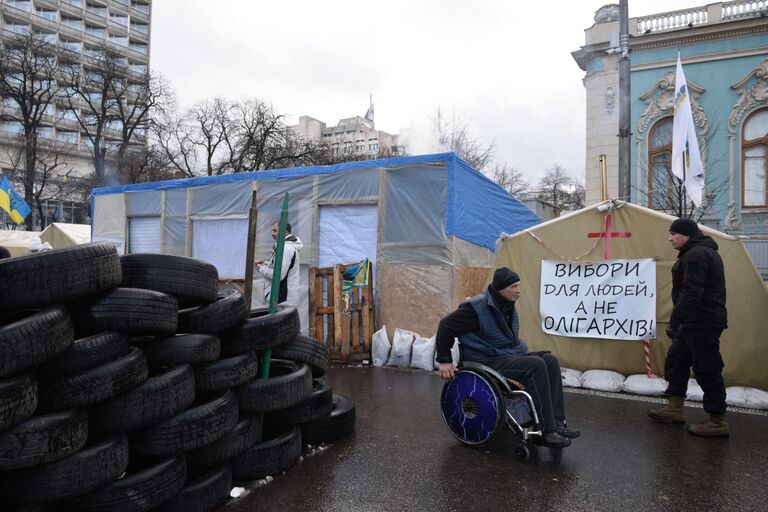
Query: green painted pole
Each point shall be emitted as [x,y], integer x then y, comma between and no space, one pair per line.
[275,291]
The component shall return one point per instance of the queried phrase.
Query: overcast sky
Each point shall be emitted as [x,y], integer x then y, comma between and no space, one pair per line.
[504,66]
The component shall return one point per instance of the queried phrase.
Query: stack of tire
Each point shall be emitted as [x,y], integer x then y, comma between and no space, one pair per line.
[132,383]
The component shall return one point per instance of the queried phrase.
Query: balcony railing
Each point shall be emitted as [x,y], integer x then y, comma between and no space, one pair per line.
[695,16]
[736,10]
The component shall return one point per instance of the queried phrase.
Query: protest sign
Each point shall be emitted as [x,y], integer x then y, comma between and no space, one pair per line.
[612,299]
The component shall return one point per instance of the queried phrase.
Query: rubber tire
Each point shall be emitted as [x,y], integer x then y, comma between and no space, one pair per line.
[43,439]
[138,491]
[85,353]
[93,385]
[34,338]
[50,277]
[227,312]
[289,384]
[270,457]
[183,349]
[318,405]
[336,426]
[226,373]
[244,435]
[203,493]
[158,398]
[182,277]
[81,472]
[18,400]
[130,310]
[305,349]
[190,429]
[261,331]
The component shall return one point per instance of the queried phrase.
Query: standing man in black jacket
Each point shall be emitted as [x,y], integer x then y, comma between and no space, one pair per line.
[697,320]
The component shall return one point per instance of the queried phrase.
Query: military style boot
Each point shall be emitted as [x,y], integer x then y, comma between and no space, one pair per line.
[715,427]
[670,413]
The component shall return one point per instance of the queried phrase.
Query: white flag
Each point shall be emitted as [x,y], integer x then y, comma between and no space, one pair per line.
[686,159]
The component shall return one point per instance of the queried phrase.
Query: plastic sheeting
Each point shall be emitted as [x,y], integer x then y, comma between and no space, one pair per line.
[425,199]
[143,203]
[222,243]
[347,234]
[109,220]
[479,211]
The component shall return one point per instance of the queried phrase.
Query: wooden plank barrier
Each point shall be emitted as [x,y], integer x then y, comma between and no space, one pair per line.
[347,330]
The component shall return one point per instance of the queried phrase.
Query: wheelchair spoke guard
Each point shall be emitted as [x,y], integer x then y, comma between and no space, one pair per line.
[472,407]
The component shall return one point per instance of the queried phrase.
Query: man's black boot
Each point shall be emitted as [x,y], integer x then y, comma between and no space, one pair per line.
[570,433]
[555,440]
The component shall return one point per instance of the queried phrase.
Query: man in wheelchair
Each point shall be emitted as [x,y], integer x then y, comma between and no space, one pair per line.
[487,326]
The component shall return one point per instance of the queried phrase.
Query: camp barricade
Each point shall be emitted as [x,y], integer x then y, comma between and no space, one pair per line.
[341,309]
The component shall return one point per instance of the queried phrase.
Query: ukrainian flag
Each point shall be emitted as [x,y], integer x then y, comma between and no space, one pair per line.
[12,202]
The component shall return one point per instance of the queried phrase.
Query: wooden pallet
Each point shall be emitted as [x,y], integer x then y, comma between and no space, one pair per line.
[347,333]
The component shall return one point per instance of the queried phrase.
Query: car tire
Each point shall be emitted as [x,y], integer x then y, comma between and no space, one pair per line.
[50,277]
[289,384]
[185,278]
[83,471]
[34,338]
[131,310]
[93,385]
[43,439]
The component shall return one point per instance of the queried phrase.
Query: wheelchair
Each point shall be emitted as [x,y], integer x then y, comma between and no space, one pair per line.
[477,403]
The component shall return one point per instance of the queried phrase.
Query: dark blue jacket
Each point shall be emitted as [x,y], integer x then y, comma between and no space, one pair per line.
[496,336]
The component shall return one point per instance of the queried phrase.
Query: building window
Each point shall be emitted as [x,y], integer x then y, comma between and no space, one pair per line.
[754,157]
[50,14]
[660,186]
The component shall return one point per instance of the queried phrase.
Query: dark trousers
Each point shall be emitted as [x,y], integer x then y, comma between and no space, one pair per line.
[540,374]
[700,349]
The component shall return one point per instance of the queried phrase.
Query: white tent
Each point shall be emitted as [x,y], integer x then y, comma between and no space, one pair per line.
[61,235]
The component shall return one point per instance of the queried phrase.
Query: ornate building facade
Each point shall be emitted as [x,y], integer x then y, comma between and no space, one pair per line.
[724,51]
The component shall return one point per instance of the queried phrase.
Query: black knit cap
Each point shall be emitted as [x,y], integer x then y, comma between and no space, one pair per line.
[504,277]
[687,227]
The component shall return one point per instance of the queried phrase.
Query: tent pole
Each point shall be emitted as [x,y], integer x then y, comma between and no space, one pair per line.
[250,254]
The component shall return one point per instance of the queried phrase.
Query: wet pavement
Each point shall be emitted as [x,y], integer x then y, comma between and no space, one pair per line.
[402,458]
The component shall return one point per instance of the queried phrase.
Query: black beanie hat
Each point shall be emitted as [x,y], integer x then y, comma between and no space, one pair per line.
[504,277]
[687,227]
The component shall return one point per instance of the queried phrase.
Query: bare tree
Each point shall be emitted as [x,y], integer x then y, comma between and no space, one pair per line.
[28,67]
[137,100]
[172,135]
[211,123]
[453,134]
[510,179]
[554,186]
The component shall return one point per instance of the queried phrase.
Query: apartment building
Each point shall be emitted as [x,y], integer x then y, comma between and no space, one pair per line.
[85,28]
[351,136]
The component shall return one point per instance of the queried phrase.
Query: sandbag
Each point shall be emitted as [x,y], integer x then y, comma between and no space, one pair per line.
[455,354]
[401,349]
[423,352]
[751,398]
[571,377]
[694,391]
[640,384]
[602,380]
[381,346]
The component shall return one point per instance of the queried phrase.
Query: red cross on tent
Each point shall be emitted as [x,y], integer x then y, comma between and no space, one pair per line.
[608,234]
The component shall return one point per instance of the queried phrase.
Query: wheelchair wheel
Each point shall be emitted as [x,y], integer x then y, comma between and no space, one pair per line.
[472,407]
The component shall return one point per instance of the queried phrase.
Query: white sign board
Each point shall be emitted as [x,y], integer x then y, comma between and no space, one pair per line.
[612,299]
